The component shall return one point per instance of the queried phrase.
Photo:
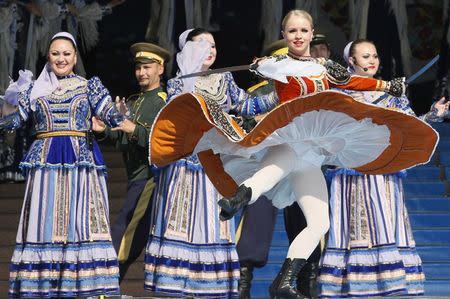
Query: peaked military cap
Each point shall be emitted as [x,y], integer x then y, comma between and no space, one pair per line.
[147,53]
[278,47]
[319,39]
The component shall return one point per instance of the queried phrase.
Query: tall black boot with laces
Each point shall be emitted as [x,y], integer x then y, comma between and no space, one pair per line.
[232,205]
[245,282]
[285,284]
[307,280]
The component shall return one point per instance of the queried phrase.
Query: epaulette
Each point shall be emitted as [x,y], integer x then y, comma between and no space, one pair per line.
[162,95]
[256,86]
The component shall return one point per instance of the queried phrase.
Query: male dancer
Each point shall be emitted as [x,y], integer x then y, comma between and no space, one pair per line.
[129,232]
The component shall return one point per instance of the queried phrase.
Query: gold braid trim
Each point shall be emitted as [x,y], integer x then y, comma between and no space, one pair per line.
[49,134]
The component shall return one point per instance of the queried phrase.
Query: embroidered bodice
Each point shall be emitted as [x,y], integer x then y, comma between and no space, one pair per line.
[222,89]
[70,107]
[222,94]
[213,87]
[308,75]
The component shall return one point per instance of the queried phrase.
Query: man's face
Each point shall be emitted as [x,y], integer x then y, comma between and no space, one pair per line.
[148,75]
[320,50]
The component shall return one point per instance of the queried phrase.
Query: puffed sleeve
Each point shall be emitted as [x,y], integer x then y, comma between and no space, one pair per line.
[102,104]
[403,104]
[246,104]
[174,88]
[15,119]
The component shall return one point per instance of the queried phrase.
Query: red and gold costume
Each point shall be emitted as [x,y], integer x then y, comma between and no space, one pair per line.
[191,123]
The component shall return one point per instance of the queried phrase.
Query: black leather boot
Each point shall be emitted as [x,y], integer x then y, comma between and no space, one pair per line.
[232,205]
[284,285]
[123,268]
[245,282]
[307,280]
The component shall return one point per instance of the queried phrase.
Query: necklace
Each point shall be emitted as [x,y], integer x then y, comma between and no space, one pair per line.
[301,58]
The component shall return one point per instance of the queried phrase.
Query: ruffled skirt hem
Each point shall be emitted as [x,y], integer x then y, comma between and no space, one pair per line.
[53,270]
[183,269]
[377,271]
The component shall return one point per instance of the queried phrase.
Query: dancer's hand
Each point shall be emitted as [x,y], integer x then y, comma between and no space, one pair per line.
[122,107]
[257,60]
[127,126]
[441,107]
[98,126]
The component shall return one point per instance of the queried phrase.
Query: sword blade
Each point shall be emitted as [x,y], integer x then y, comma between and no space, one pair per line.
[244,67]
[423,69]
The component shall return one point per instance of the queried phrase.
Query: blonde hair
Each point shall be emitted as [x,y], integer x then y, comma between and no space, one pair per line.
[298,13]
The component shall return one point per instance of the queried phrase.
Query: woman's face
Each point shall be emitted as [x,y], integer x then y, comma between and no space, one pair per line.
[298,33]
[62,57]
[365,60]
[212,55]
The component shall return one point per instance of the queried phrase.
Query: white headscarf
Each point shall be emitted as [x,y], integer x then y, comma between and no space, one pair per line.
[347,57]
[182,38]
[47,82]
[190,59]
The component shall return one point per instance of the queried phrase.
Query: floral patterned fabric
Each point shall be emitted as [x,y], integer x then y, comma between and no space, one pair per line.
[63,244]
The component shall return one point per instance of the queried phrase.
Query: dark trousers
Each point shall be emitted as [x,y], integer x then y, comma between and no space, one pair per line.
[256,230]
[131,229]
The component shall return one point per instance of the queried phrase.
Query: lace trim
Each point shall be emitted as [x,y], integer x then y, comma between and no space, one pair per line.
[213,90]
[69,87]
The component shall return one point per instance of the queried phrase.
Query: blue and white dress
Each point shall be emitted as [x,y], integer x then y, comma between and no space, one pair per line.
[370,249]
[191,252]
[63,245]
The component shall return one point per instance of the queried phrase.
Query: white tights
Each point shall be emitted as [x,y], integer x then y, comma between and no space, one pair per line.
[276,164]
[309,188]
[311,191]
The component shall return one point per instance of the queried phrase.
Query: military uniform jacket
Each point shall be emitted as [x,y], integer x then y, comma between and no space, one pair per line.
[143,109]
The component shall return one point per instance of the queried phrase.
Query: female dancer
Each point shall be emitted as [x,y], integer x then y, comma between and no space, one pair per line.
[63,244]
[190,252]
[371,249]
[281,157]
